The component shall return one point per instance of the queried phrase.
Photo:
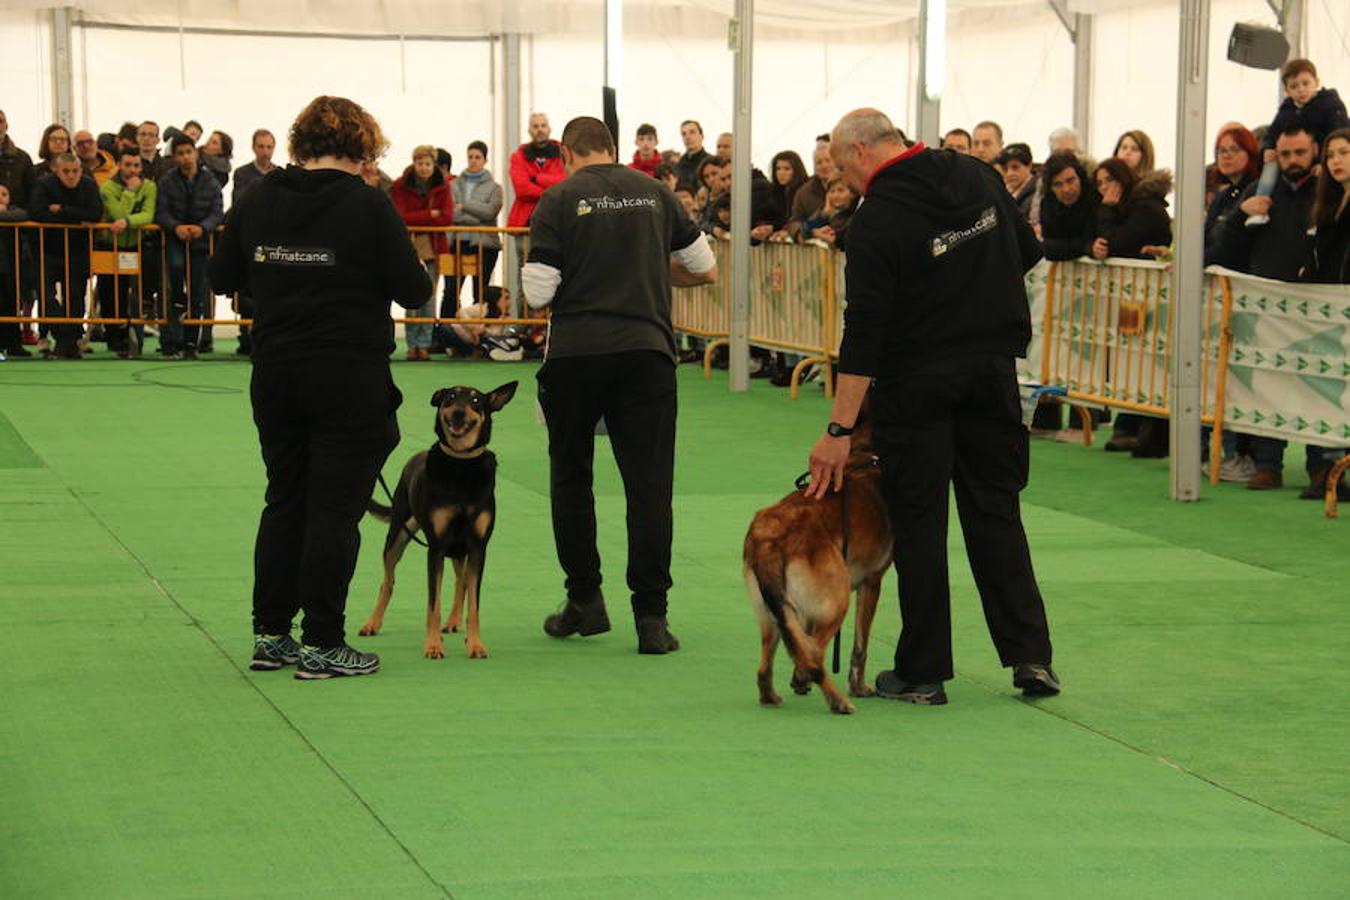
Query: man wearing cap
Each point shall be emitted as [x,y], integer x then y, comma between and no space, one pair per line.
[937,312]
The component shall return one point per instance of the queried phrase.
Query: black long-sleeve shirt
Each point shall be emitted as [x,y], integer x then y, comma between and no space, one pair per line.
[322,255]
[79,204]
[936,257]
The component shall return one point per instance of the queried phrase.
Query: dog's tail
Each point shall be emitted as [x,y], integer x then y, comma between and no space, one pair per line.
[766,580]
[380,511]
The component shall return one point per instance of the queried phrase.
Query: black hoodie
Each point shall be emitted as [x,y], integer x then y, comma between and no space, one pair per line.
[323,255]
[936,257]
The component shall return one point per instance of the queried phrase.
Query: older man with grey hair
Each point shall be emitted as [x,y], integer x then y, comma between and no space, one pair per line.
[1064,138]
[937,312]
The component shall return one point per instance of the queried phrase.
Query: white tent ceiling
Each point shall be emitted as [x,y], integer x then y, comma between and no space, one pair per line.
[871,19]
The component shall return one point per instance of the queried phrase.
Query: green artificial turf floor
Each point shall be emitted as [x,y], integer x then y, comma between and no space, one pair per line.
[1199,749]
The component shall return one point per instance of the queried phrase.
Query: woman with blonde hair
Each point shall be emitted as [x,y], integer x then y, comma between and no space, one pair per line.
[322,254]
[422,197]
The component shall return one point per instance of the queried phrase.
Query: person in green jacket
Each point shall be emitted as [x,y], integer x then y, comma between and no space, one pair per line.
[129,204]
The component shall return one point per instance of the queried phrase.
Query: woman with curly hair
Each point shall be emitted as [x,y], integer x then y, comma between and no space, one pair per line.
[322,254]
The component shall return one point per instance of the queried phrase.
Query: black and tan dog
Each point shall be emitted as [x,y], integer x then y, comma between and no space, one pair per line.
[449,494]
[800,581]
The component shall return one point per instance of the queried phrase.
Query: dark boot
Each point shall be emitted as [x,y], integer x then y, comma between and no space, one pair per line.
[654,635]
[583,617]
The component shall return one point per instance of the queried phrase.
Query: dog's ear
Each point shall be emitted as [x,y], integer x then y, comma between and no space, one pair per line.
[436,397]
[502,395]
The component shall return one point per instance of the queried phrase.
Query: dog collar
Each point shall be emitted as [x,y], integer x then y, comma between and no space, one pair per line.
[462,454]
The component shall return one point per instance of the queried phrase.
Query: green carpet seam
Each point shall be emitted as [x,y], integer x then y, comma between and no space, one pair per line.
[229,659]
[1164,760]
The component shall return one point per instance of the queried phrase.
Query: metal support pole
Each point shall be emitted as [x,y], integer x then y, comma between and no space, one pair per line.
[511,140]
[613,66]
[740,39]
[63,67]
[932,71]
[1082,79]
[1188,275]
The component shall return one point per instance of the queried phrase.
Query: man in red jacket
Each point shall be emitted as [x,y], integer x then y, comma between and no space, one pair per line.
[535,167]
[646,158]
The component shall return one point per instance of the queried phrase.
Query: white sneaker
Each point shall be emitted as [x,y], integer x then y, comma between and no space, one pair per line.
[1070,436]
[1237,468]
[1257,220]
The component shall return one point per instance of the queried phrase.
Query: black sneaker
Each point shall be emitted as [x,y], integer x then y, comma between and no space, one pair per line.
[189,353]
[585,619]
[892,686]
[1035,680]
[272,651]
[18,351]
[334,662]
[654,636]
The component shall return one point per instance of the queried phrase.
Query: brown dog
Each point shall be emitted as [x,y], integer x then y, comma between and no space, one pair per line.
[449,494]
[799,580]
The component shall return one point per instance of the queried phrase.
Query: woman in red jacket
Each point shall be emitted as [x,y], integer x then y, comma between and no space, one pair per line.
[422,197]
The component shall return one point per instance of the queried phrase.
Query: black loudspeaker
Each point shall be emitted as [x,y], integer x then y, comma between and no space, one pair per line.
[1258,46]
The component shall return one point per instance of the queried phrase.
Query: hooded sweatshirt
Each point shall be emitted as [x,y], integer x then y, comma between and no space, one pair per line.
[322,254]
[936,257]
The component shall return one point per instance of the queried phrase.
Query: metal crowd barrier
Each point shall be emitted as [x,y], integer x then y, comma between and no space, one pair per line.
[34,294]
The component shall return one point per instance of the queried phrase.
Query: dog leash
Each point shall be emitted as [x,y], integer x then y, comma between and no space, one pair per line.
[802,481]
[390,494]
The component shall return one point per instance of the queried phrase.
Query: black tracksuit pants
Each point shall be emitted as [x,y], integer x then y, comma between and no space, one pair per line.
[326,428]
[958,422]
[635,394]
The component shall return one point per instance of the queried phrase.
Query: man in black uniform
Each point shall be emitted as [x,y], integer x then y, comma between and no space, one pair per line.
[937,312]
[605,247]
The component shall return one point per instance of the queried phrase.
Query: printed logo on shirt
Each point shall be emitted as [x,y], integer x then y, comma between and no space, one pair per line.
[281,255]
[608,204]
[949,240]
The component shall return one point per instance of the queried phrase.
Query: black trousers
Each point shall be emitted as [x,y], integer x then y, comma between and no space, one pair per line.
[326,429]
[958,423]
[635,393]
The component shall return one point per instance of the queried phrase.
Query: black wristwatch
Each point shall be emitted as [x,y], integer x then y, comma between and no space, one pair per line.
[834,429]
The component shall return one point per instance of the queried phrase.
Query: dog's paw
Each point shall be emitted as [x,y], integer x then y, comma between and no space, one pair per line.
[434,650]
[370,629]
[475,649]
[801,684]
[842,707]
[770,699]
[861,689]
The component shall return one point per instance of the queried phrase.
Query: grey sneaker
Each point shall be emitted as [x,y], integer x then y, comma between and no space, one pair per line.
[1237,468]
[892,686]
[334,662]
[1035,680]
[272,651]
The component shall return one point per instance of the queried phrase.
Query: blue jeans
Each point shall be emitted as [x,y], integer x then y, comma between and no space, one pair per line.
[186,266]
[1269,173]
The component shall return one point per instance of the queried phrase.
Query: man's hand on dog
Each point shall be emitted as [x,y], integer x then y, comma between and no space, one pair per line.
[828,459]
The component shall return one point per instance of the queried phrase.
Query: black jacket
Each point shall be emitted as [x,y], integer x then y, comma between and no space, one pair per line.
[1279,248]
[1222,208]
[16,172]
[936,257]
[1331,253]
[79,204]
[1130,226]
[322,255]
[184,202]
[1323,114]
[1067,231]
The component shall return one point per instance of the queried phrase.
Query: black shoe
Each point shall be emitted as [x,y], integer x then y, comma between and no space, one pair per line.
[585,619]
[189,353]
[654,636]
[892,686]
[1035,680]
[318,663]
[1317,485]
[18,351]
[207,348]
[1122,444]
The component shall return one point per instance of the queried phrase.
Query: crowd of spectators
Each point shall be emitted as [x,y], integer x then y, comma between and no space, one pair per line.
[1276,200]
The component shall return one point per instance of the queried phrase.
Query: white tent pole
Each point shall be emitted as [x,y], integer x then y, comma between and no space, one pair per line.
[1080,29]
[740,38]
[932,71]
[63,67]
[1188,276]
[510,140]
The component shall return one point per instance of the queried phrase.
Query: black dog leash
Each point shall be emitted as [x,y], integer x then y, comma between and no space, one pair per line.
[802,481]
[390,494]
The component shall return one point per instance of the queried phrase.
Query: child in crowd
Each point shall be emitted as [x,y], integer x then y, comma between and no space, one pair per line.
[831,220]
[1307,105]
